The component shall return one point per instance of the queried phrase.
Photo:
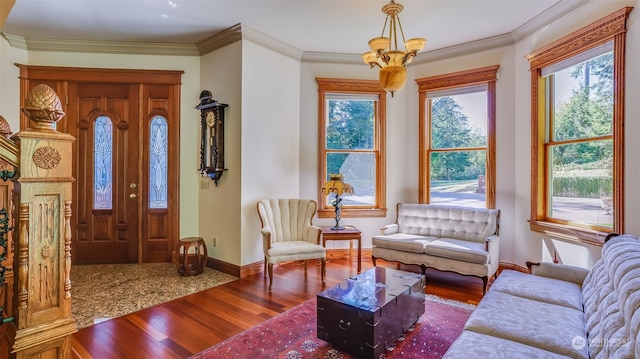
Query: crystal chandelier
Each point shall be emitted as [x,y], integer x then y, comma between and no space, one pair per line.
[385,54]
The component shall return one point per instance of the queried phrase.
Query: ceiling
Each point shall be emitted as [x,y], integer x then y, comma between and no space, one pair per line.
[323,26]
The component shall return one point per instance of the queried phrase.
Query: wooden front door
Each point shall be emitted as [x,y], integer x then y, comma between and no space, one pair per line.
[103,118]
[125,160]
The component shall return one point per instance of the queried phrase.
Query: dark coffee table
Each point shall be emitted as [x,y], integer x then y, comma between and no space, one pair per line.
[366,313]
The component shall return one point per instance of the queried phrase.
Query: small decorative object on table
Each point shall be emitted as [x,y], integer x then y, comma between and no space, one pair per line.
[336,187]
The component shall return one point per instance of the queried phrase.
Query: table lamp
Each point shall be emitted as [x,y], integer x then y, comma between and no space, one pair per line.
[336,186]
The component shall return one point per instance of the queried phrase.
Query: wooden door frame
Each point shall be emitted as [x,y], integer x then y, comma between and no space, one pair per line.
[63,75]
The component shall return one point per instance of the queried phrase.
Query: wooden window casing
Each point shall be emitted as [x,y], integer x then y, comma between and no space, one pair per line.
[609,28]
[468,78]
[328,86]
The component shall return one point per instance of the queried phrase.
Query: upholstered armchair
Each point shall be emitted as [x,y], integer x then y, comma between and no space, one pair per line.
[288,234]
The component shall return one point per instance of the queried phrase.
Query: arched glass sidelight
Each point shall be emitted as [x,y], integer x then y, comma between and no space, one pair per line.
[103,163]
[158,162]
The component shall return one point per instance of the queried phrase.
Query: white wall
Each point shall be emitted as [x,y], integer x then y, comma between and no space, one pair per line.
[9,83]
[219,207]
[270,141]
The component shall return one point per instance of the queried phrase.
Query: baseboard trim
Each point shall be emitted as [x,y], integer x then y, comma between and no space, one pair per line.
[223,267]
[258,267]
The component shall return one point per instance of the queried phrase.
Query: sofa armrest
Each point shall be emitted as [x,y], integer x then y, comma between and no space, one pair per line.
[389,229]
[492,245]
[558,271]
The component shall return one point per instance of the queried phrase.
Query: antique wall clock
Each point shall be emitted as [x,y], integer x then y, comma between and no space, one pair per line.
[212,136]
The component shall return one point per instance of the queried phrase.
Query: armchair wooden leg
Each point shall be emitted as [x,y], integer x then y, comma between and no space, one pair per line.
[323,270]
[270,266]
[305,266]
[265,266]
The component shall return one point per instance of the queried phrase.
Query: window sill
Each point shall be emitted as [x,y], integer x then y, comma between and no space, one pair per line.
[353,212]
[569,233]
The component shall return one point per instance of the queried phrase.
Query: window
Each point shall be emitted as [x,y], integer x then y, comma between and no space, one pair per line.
[577,87]
[457,138]
[351,134]
[158,163]
[103,163]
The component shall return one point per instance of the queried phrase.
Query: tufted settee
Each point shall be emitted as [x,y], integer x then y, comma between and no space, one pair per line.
[450,238]
[560,311]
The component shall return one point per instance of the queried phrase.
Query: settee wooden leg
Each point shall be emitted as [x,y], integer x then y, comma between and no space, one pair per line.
[373,260]
[323,270]
[485,283]
[424,269]
[270,266]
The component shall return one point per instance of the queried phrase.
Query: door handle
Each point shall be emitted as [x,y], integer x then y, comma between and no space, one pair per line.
[132,186]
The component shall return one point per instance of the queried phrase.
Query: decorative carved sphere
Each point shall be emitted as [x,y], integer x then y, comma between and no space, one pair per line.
[43,106]
[5,129]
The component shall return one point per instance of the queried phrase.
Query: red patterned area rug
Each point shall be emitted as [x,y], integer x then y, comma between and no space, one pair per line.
[292,334]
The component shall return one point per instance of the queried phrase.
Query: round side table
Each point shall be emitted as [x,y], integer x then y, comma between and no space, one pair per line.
[191,263]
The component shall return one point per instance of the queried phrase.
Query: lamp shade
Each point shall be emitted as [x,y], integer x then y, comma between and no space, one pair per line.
[415,44]
[379,43]
[393,78]
[336,185]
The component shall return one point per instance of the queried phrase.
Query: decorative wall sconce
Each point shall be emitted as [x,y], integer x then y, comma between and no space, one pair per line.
[212,140]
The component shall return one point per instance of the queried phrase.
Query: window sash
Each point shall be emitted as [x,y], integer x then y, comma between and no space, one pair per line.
[609,29]
[353,90]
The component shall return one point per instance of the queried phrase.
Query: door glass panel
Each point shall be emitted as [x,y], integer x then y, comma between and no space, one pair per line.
[103,160]
[158,162]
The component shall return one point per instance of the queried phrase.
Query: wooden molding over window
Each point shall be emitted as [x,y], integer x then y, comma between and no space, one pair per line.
[457,79]
[609,28]
[351,86]
[590,36]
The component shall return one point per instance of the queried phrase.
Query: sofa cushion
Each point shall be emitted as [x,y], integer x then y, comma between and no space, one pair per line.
[543,289]
[476,345]
[466,251]
[402,242]
[547,326]
[471,224]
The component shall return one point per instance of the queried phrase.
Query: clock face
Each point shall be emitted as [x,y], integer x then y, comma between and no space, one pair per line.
[211,120]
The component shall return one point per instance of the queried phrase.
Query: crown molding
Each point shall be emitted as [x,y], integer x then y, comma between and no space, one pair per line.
[102,47]
[551,14]
[271,43]
[220,39]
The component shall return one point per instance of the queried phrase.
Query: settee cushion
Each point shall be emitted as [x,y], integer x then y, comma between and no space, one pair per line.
[547,326]
[476,345]
[466,251]
[402,242]
[553,291]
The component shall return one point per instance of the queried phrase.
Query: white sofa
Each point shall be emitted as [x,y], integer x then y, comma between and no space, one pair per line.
[464,240]
[560,311]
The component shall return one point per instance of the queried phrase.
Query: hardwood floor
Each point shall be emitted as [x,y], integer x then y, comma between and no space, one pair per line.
[189,325]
